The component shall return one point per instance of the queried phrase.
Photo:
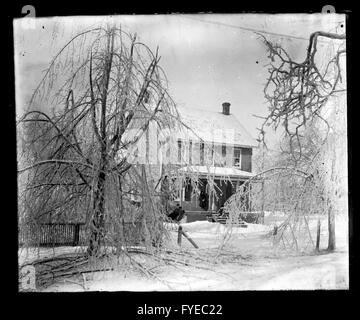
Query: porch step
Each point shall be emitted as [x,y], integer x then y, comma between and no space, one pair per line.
[189,207]
[241,224]
[223,220]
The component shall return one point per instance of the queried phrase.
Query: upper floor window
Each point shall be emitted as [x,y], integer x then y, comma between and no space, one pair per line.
[246,154]
[202,147]
[179,150]
[242,158]
[146,96]
[223,151]
[237,156]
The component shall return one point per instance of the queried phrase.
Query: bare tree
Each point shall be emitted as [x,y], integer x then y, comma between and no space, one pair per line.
[297,93]
[96,100]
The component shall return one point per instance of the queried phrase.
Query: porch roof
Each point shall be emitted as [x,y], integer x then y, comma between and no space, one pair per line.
[218,172]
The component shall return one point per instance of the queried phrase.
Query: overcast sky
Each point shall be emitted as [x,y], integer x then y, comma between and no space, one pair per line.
[208,59]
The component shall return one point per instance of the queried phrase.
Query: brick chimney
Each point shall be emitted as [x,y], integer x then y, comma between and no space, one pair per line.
[226,108]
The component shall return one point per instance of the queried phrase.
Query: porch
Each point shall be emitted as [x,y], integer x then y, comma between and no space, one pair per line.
[214,186]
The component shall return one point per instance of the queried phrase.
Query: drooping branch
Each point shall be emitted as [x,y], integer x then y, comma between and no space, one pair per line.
[55,161]
[99,96]
[297,92]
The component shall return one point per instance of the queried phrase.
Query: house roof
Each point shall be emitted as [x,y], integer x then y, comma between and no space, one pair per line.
[218,172]
[214,127]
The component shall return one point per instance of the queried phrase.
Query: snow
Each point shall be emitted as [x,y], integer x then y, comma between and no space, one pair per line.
[210,228]
[218,228]
[210,126]
[218,171]
[27,255]
[248,261]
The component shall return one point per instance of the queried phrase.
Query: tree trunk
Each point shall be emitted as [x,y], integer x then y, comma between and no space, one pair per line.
[331,226]
[98,221]
[317,248]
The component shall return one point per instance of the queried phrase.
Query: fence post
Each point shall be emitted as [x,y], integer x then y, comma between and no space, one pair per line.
[76,234]
[179,235]
[190,240]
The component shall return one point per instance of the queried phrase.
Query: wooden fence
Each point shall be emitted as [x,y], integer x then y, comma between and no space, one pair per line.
[71,234]
[51,234]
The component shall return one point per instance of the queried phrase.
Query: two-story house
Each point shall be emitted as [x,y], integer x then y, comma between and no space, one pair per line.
[217,150]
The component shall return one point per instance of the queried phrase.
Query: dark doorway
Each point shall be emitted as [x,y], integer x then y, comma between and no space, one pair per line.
[226,191]
[203,197]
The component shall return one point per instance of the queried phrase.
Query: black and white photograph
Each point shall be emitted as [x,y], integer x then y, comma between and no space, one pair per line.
[182,152]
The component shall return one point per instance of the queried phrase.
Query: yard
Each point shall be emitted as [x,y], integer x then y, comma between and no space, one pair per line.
[248,261]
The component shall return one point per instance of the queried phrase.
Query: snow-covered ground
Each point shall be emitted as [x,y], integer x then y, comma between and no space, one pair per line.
[248,261]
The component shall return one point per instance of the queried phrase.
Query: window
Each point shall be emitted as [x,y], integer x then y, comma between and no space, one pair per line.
[237,156]
[202,153]
[146,96]
[246,154]
[223,154]
[223,150]
[135,155]
[179,150]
